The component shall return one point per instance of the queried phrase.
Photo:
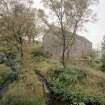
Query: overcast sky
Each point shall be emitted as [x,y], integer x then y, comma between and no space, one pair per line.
[95,31]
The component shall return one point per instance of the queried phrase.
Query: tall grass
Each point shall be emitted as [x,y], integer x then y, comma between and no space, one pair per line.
[75,86]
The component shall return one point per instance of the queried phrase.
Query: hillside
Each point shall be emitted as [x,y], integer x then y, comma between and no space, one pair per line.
[72,85]
[83,81]
[80,84]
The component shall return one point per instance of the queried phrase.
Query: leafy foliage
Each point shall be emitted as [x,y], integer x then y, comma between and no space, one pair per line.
[39,54]
[103,62]
[67,87]
[103,55]
[68,76]
[4,73]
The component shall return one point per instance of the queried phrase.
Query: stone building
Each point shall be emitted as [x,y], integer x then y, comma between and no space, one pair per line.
[80,49]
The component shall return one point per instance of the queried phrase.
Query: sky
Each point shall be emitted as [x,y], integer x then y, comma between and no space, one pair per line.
[95,31]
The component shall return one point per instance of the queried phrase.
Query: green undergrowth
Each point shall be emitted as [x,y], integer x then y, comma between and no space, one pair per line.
[42,59]
[20,94]
[38,53]
[14,101]
[4,73]
[72,85]
[75,86]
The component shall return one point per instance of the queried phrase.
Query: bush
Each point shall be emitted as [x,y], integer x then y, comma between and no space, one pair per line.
[103,62]
[38,54]
[76,98]
[68,76]
[69,87]
[4,73]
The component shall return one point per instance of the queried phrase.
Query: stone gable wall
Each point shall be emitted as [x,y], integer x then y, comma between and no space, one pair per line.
[81,47]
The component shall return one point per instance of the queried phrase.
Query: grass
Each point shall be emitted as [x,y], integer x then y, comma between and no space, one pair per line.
[19,94]
[27,90]
[4,72]
[87,81]
[95,80]
[80,83]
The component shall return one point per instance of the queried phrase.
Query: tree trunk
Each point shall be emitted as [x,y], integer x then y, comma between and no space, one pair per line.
[21,46]
[33,39]
[63,57]
[64,49]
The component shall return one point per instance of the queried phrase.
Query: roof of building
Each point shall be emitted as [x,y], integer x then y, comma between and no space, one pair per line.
[55,29]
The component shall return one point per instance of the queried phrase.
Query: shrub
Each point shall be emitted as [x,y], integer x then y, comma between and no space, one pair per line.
[103,62]
[67,76]
[39,54]
[4,73]
[69,85]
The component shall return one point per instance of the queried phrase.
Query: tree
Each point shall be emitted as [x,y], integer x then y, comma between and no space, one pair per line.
[17,26]
[17,21]
[103,55]
[69,15]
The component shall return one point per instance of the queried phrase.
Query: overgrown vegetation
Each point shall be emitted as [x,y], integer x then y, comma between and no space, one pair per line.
[103,62]
[73,86]
[38,53]
[19,26]
[103,55]
[4,73]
